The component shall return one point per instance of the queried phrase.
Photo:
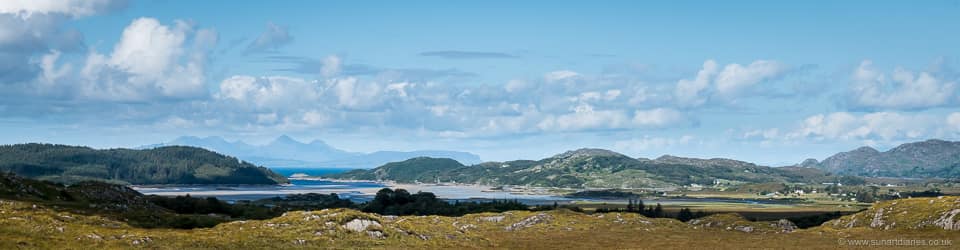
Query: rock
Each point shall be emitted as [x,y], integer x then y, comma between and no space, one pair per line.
[299,242]
[375,234]
[786,226]
[877,219]
[360,225]
[465,227]
[95,237]
[495,219]
[852,223]
[529,222]
[745,229]
[947,222]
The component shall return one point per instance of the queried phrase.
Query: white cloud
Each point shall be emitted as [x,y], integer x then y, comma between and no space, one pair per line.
[31,29]
[735,77]
[274,37]
[953,121]
[270,93]
[901,90]
[596,96]
[331,66]
[514,86]
[585,117]
[762,134]
[75,8]
[689,92]
[148,62]
[727,84]
[869,126]
[658,117]
[51,73]
[268,118]
[314,118]
[354,94]
[147,48]
[560,75]
[399,88]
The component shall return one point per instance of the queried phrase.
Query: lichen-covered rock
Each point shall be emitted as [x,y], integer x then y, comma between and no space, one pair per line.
[947,221]
[360,225]
[786,226]
[495,219]
[877,219]
[529,222]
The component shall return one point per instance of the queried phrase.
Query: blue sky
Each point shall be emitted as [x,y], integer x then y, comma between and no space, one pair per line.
[768,82]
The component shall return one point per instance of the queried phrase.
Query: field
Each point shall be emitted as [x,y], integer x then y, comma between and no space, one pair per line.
[23,225]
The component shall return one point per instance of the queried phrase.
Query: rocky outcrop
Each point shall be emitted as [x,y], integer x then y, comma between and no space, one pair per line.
[529,222]
[371,227]
[785,225]
[947,221]
[731,222]
[495,219]
[905,214]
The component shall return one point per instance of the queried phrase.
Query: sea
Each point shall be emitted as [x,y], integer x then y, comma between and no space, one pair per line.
[357,191]
[362,191]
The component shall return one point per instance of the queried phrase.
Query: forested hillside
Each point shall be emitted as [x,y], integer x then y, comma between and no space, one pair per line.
[164,165]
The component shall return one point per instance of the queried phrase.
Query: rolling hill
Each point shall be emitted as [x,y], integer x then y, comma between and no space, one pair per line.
[163,165]
[924,159]
[586,168]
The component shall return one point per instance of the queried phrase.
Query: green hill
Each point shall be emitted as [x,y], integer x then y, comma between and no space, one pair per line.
[586,168]
[164,165]
[924,159]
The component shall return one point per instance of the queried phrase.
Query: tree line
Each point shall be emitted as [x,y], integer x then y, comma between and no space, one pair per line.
[653,211]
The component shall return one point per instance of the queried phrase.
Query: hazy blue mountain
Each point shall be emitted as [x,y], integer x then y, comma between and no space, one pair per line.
[930,158]
[285,151]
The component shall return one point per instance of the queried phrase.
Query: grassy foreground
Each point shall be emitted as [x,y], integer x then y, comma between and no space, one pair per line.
[930,220]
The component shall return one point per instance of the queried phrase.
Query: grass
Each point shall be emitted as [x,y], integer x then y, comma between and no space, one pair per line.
[22,225]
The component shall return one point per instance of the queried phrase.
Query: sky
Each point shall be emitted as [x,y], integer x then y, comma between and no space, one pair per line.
[767,82]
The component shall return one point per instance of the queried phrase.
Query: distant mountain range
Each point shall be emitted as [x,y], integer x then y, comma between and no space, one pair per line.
[930,158]
[588,168]
[288,152]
